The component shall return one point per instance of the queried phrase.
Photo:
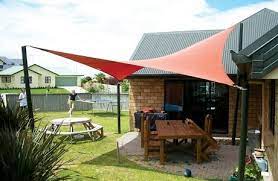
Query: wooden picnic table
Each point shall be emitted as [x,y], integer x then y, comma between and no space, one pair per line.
[93,130]
[178,129]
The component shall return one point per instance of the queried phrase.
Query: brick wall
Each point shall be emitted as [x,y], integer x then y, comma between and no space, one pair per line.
[145,93]
[254,108]
[149,92]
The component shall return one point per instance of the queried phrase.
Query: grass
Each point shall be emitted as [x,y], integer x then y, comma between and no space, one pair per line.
[37,91]
[98,160]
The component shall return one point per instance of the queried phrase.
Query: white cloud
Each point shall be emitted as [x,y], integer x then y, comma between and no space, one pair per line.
[106,28]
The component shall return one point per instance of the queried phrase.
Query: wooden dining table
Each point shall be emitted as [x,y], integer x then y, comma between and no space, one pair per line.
[178,129]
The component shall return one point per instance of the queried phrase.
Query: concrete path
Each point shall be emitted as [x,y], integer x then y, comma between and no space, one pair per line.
[76,88]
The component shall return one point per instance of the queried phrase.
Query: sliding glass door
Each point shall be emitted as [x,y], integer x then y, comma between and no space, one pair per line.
[194,99]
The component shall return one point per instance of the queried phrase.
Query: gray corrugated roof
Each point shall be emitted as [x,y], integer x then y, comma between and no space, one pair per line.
[263,54]
[13,70]
[11,61]
[153,45]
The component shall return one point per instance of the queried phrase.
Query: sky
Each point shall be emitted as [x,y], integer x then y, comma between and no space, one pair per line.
[107,28]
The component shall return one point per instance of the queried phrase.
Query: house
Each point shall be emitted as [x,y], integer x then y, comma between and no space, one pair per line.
[195,98]
[183,96]
[7,63]
[261,60]
[39,76]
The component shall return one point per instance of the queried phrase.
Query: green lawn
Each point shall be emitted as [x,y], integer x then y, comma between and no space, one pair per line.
[37,91]
[98,160]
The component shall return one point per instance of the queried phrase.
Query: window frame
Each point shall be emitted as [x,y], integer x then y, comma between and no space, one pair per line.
[6,79]
[47,79]
[22,80]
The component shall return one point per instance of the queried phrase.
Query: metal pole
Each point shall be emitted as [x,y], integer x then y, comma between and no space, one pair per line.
[27,87]
[243,129]
[238,83]
[119,107]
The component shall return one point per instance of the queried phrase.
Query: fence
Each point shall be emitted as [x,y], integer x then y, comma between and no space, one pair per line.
[59,102]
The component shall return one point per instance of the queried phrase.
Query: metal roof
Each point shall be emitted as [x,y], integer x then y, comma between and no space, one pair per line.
[153,45]
[11,61]
[262,54]
[13,70]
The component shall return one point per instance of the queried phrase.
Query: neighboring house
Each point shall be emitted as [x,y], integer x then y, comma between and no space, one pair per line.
[66,77]
[39,76]
[183,96]
[261,60]
[7,63]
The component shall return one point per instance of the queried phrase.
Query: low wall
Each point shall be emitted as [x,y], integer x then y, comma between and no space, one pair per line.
[58,102]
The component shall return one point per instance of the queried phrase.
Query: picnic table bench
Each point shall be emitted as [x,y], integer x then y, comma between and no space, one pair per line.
[95,131]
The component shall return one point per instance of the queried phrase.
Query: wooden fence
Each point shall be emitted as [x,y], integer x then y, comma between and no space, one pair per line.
[58,102]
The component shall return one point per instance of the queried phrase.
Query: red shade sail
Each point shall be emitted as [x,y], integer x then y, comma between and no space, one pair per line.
[201,60]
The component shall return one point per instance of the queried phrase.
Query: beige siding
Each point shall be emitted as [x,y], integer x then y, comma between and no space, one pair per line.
[16,80]
[44,73]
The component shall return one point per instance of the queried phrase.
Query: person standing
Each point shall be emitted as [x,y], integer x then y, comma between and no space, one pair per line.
[22,99]
[71,101]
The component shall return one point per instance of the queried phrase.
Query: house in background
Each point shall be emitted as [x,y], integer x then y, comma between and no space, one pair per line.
[66,77]
[7,63]
[39,76]
[183,96]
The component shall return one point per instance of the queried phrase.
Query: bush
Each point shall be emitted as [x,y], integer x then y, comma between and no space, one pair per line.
[27,155]
[96,88]
[100,77]
[252,172]
[85,79]
[125,86]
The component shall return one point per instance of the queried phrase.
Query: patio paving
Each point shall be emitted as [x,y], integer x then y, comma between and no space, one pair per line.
[220,164]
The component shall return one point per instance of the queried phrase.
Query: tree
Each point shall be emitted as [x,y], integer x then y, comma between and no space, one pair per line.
[100,77]
[86,79]
[125,86]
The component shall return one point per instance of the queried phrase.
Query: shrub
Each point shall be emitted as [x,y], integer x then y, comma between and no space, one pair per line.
[26,155]
[85,79]
[125,86]
[100,77]
[252,172]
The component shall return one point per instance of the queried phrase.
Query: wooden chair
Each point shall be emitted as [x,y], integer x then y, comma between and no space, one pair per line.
[151,142]
[153,134]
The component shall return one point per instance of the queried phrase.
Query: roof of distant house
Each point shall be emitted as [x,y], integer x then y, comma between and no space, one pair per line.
[58,71]
[153,45]
[62,71]
[11,61]
[13,70]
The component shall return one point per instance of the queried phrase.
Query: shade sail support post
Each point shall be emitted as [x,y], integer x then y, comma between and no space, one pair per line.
[27,87]
[238,91]
[119,106]
[243,128]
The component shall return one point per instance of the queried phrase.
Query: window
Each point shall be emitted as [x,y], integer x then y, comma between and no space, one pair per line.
[6,79]
[1,67]
[48,79]
[22,81]
[272,106]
